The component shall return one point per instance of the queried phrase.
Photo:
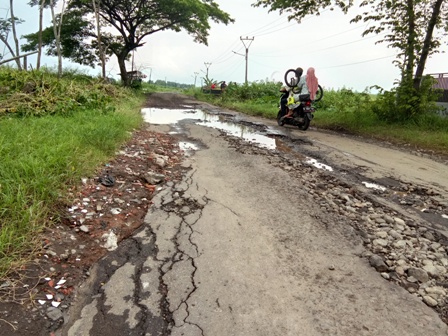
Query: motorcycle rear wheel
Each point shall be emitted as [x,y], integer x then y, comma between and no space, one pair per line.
[304,126]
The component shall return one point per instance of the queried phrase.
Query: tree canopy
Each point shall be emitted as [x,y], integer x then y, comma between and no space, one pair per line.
[131,22]
[414,27]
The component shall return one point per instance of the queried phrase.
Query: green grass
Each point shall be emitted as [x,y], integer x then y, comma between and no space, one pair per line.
[41,157]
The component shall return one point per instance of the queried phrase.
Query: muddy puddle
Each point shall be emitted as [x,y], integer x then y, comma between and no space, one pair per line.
[199,117]
[254,133]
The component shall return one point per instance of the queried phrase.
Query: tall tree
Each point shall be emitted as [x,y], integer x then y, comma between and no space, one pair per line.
[96,10]
[42,5]
[6,26]
[57,28]
[414,27]
[131,21]
[14,32]
[75,37]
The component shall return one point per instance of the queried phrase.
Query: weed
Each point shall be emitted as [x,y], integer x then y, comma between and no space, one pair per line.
[48,143]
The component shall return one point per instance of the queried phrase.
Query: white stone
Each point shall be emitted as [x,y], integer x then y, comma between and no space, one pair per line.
[399,221]
[381,234]
[400,244]
[435,246]
[400,270]
[429,301]
[401,262]
[431,270]
[435,290]
[395,234]
[380,242]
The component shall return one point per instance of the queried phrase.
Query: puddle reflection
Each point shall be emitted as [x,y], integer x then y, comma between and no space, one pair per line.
[319,165]
[173,116]
[374,186]
[218,121]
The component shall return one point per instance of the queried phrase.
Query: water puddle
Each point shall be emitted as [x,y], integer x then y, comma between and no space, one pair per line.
[317,164]
[170,116]
[244,130]
[374,186]
[188,147]
[173,116]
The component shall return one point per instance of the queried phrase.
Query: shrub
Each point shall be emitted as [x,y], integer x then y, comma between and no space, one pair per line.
[42,93]
[405,103]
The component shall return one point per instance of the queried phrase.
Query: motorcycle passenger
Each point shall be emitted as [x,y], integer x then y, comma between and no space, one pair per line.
[311,82]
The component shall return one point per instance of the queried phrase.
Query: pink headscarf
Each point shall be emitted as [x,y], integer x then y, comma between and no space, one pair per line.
[311,82]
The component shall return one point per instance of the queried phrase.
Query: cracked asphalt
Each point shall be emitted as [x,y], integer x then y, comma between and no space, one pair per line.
[238,247]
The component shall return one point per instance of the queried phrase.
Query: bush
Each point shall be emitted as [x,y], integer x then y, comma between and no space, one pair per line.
[42,93]
[253,91]
[405,103]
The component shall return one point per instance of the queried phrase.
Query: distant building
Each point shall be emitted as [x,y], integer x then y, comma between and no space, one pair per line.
[442,83]
[134,75]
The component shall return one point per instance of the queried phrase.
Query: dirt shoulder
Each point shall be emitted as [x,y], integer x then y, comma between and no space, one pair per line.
[104,210]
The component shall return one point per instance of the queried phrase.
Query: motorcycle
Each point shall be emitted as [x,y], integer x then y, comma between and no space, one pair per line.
[302,114]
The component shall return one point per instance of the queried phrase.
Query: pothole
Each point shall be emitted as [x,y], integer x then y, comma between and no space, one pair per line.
[240,129]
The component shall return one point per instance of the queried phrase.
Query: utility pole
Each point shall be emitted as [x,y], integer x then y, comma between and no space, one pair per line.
[207,66]
[247,50]
[246,55]
[195,76]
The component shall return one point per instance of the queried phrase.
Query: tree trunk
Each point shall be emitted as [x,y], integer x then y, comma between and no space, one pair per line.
[14,33]
[11,50]
[123,73]
[98,29]
[39,47]
[57,26]
[427,44]
[409,68]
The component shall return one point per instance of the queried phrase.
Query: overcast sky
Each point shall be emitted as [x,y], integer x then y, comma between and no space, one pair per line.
[329,43]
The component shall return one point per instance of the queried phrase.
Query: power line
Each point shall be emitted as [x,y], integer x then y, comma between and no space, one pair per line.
[232,46]
[265,27]
[225,52]
[327,48]
[293,24]
[354,63]
[343,44]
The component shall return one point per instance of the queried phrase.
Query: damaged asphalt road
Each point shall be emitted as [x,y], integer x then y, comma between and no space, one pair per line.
[252,241]
[248,229]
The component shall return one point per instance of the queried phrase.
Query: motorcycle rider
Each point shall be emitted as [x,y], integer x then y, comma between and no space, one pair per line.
[307,84]
[284,88]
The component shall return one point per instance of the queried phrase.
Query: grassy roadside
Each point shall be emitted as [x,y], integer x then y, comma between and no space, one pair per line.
[349,114]
[43,157]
